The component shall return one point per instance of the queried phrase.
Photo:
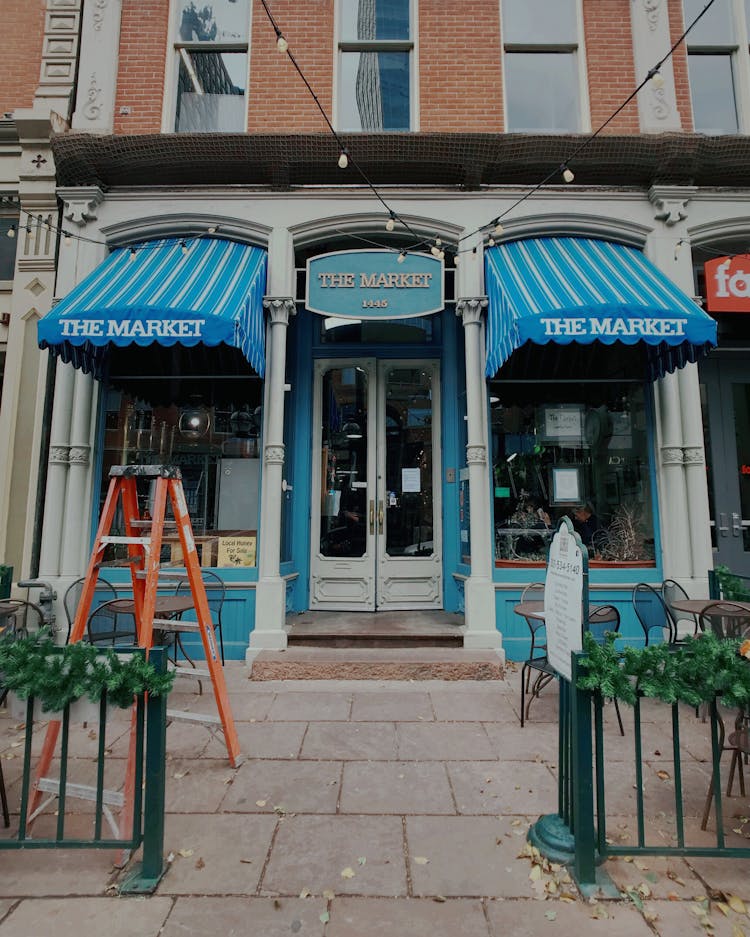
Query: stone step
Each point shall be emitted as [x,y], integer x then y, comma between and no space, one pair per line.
[424,663]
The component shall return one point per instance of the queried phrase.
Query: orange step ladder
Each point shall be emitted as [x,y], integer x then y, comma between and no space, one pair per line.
[143,538]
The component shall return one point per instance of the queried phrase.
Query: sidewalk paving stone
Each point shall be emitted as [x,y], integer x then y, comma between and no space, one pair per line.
[262,740]
[87,917]
[310,705]
[398,704]
[504,787]
[415,917]
[311,852]
[245,917]
[524,918]
[443,741]
[396,788]
[295,786]
[470,706]
[351,741]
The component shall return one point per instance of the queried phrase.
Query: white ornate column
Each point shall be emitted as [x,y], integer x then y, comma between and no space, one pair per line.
[270,595]
[97,69]
[657,105]
[78,495]
[479,593]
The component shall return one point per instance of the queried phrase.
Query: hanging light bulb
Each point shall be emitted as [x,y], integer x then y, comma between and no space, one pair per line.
[498,228]
[132,254]
[491,241]
[212,229]
[391,223]
[12,231]
[438,242]
[435,250]
[657,80]
[183,247]
[567,174]
[281,44]
[456,260]
[441,255]
[67,239]
[343,160]
[401,258]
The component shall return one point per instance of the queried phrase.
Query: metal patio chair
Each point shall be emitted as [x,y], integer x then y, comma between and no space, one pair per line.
[672,591]
[105,592]
[652,613]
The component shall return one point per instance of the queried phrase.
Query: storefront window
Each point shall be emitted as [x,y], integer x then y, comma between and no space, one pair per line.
[572,449]
[218,451]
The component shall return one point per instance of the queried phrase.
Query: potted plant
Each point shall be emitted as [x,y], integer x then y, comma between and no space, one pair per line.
[623,542]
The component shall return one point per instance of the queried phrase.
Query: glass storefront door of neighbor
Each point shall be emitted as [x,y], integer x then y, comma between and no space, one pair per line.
[375,530]
[725,398]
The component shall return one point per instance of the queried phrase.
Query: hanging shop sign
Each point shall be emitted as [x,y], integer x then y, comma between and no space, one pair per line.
[728,284]
[372,284]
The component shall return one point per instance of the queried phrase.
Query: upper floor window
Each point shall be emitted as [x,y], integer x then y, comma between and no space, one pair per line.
[541,65]
[376,47]
[717,60]
[211,42]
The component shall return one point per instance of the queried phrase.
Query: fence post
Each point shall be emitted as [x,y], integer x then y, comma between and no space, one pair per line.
[148,873]
[584,866]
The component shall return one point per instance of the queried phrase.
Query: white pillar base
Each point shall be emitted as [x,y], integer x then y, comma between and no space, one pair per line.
[270,616]
[479,616]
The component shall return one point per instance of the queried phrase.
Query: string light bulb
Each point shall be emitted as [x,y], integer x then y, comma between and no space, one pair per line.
[567,173]
[657,80]
[498,228]
[212,229]
[474,253]
[491,241]
[183,247]
[435,250]
[132,254]
[343,160]
[391,223]
[11,231]
[441,255]
[281,44]
[456,260]
[438,242]
[67,239]
[401,258]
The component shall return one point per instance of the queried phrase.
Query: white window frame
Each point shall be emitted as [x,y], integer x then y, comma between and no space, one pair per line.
[388,45]
[172,70]
[739,56]
[578,49]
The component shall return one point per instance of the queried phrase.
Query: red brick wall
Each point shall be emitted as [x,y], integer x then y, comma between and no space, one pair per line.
[679,64]
[460,77]
[140,80]
[23,33]
[279,102]
[609,60]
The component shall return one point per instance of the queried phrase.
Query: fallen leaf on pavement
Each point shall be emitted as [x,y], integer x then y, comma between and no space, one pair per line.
[199,863]
[328,895]
[324,918]
[736,904]
[599,912]
[305,893]
[348,872]
[551,915]
[361,860]
[186,853]
[246,861]
[663,775]
[439,898]
[421,860]
[261,803]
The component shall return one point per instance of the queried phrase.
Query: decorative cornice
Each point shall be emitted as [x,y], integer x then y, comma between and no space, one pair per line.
[274,454]
[653,9]
[92,109]
[670,202]
[476,455]
[470,310]
[280,309]
[671,455]
[693,455]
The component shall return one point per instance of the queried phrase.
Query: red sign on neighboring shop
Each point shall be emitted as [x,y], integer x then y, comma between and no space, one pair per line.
[728,284]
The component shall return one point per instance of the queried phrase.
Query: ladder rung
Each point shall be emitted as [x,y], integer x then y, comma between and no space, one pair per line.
[149,523]
[191,672]
[205,718]
[127,561]
[81,792]
[175,624]
[163,574]
[139,541]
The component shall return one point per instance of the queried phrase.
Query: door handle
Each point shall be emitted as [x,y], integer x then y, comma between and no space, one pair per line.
[723,527]
[380,517]
[372,517]
[736,525]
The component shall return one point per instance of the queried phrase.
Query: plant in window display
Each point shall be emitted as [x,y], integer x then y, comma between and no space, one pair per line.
[624,539]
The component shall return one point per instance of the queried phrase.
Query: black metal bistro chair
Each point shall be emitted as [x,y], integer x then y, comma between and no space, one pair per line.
[652,613]
[109,624]
[537,659]
[604,618]
[684,624]
[105,592]
[216,593]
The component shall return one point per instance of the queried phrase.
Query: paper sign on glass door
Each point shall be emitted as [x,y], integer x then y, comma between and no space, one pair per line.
[410,479]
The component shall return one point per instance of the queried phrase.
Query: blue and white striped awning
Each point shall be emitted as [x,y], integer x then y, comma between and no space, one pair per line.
[583,290]
[202,291]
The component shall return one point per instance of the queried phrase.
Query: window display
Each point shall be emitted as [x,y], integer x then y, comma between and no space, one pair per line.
[217,449]
[575,449]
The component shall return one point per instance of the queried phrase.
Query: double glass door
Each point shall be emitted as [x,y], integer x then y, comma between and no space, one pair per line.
[375,530]
[725,397]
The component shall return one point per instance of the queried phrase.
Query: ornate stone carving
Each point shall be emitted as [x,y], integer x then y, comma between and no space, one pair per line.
[101,6]
[280,309]
[79,455]
[670,202]
[58,455]
[93,107]
[274,455]
[476,455]
[671,455]
[693,455]
[660,107]
[470,310]
[80,203]
[653,9]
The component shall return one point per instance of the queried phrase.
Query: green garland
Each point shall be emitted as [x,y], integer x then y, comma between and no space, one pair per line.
[34,666]
[696,672]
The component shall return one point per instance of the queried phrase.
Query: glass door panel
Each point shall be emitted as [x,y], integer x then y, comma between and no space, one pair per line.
[740,519]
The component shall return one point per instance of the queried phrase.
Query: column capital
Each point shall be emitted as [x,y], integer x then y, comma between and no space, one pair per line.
[274,454]
[693,455]
[671,455]
[476,455]
[280,309]
[470,310]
